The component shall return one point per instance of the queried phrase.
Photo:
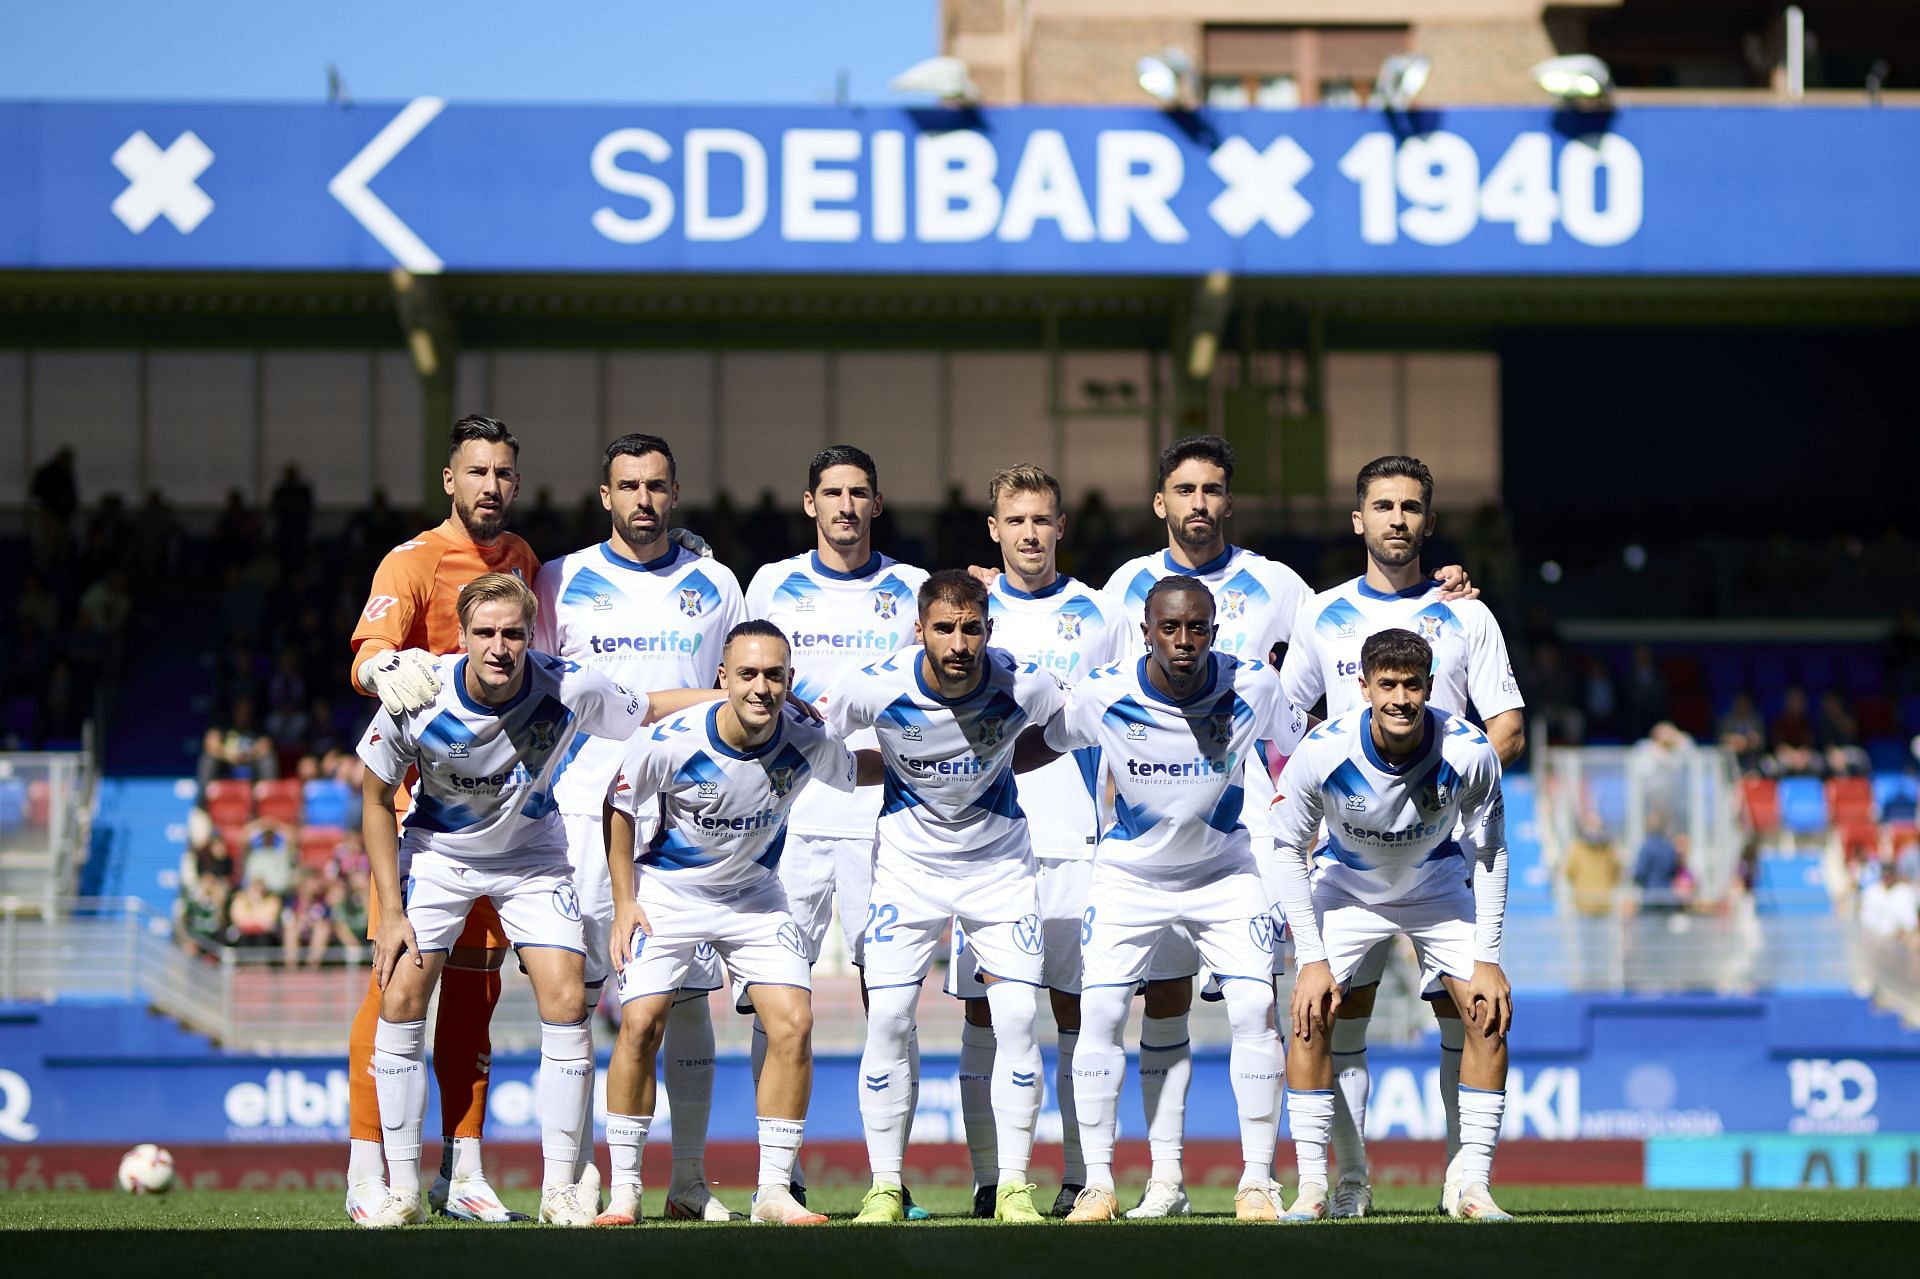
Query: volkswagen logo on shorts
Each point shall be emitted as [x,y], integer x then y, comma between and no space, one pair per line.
[704,952]
[790,937]
[1026,933]
[1260,928]
[566,902]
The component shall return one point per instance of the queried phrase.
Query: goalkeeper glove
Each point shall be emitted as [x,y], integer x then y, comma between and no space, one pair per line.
[402,679]
[691,540]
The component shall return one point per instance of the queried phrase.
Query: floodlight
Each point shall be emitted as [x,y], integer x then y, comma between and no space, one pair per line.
[1400,80]
[945,78]
[1166,77]
[1575,78]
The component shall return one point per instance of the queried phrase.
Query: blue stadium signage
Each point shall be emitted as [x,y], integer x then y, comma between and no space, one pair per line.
[1035,191]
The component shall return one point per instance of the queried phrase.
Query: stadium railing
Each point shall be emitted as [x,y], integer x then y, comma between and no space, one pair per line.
[45,800]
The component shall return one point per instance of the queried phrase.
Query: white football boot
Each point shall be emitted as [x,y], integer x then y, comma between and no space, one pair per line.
[562,1206]
[1475,1203]
[696,1202]
[395,1210]
[470,1199]
[364,1198]
[1161,1199]
[1352,1197]
[1310,1205]
[623,1208]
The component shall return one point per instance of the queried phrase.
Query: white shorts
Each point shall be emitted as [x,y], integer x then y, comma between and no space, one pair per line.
[587,851]
[1063,886]
[997,904]
[1176,958]
[753,933]
[534,895]
[1442,930]
[1228,920]
[1373,966]
[820,873]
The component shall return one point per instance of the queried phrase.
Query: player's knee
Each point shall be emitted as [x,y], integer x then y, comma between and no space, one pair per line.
[1169,998]
[789,1029]
[1249,1006]
[979,1012]
[641,1032]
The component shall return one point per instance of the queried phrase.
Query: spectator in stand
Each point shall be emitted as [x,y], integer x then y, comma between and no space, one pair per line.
[56,499]
[544,527]
[237,748]
[1602,702]
[1659,869]
[206,854]
[292,507]
[200,915]
[1592,869]
[1662,762]
[106,606]
[158,544]
[1557,696]
[236,535]
[1794,754]
[1889,909]
[370,533]
[1836,736]
[62,712]
[1744,734]
[272,852]
[253,916]
[37,606]
[308,924]
[764,531]
[1646,694]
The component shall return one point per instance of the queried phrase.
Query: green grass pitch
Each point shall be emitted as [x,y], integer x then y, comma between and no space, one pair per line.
[1561,1230]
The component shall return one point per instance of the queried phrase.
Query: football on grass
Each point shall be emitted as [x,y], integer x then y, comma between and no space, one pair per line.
[147,1169]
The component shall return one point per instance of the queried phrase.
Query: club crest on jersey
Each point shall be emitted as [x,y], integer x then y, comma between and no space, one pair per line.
[709,790]
[1069,626]
[780,780]
[1026,933]
[989,728]
[690,601]
[1434,797]
[566,902]
[603,603]
[1233,603]
[1260,928]
[1429,628]
[1356,803]
[1136,732]
[886,604]
[455,750]
[1220,728]
[545,733]
[790,937]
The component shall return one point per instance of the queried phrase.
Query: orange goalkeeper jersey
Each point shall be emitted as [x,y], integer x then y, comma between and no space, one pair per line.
[417,585]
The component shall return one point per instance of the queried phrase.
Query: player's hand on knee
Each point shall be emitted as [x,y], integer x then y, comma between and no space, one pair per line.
[1455,584]
[689,540]
[394,940]
[1490,1001]
[402,678]
[1316,998]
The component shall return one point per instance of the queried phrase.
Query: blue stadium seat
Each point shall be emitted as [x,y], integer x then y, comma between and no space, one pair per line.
[1608,794]
[13,803]
[1803,806]
[327,802]
[1896,796]
[1889,754]
[1791,885]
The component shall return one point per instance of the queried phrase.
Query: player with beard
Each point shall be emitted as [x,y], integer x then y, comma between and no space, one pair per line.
[410,620]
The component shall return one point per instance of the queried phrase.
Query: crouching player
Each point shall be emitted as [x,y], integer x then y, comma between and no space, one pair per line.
[1391,780]
[483,824]
[725,776]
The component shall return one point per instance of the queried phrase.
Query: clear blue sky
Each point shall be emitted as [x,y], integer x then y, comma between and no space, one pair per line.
[654,51]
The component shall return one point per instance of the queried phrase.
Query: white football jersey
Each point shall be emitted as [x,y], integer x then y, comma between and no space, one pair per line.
[487,773]
[949,794]
[1470,664]
[1255,600]
[1067,629]
[1390,831]
[653,625]
[1178,766]
[725,811]
[837,622]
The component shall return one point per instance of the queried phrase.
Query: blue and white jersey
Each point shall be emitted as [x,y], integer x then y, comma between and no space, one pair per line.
[949,796]
[1470,664]
[1391,830]
[1067,629]
[1255,600]
[1178,767]
[724,811]
[487,773]
[837,622]
[654,624]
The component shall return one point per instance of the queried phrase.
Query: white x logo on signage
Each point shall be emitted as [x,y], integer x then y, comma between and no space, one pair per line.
[162,182]
[1260,186]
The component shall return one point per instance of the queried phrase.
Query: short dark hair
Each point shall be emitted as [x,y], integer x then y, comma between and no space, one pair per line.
[1208,448]
[1395,465]
[1175,585]
[635,444]
[841,455]
[488,430]
[953,586]
[759,626]
[1396,650]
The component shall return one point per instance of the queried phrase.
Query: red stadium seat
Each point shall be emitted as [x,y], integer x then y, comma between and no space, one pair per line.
[229,803]
[317,844]
[279,800]
[1760,801]
[1850,801]
[1860,841]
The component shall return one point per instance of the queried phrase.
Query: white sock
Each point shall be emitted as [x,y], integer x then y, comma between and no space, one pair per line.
[1255,1064]
[366,1161]
[1099,1066]
[561,1092]
[400,1082]
[583,1139]
[1352,1083]
[1311,1121]
[1481,1111]
[779,1149]
[688,1052]
[626,1138]
[1016,1076]
[976,1100]
[463,1157]
[1166,1072]
[886,1089]
[1075,1173]
[1453,1041]
[913,1069]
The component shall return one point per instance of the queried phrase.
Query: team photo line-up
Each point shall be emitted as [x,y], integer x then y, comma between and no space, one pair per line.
[621,767]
